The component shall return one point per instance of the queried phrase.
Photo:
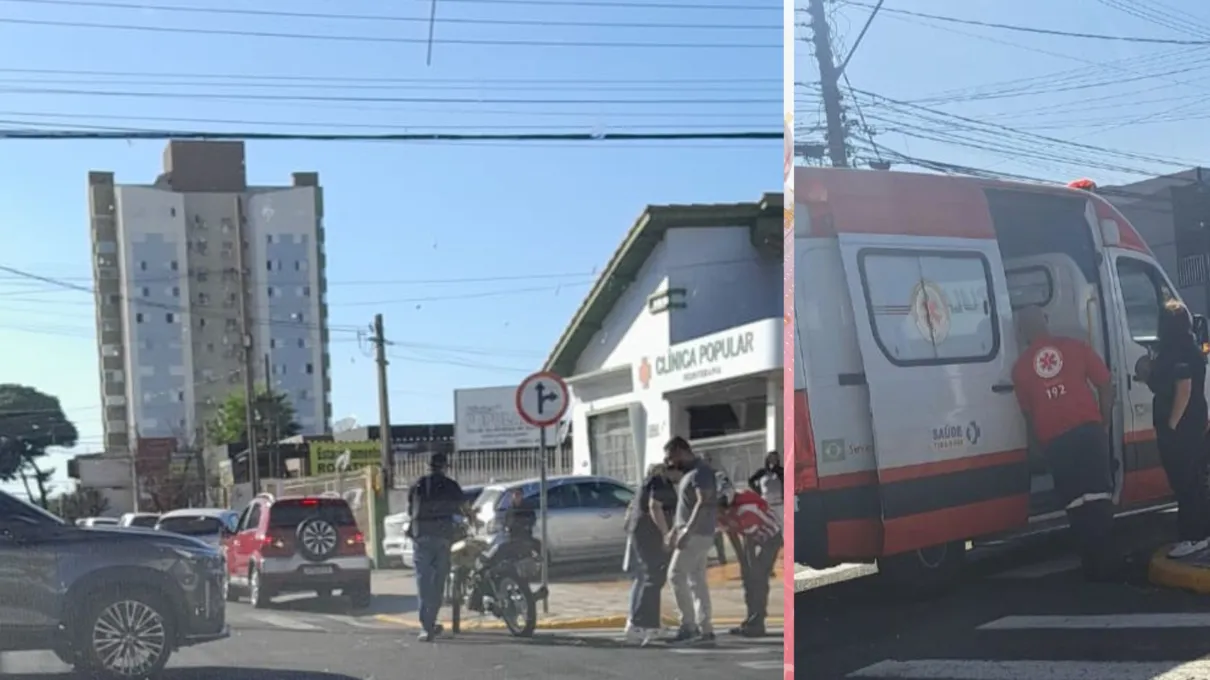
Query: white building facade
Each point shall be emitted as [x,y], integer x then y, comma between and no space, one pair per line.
[166,272]
[681,336]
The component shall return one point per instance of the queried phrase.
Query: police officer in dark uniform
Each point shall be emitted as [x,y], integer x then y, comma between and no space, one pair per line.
[433,502]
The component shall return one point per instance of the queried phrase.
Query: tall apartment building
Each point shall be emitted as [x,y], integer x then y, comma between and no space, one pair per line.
[166,272]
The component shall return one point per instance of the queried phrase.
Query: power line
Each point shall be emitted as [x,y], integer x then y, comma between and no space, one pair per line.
[244,96]
[623,5]
[417,82]
[386,137]
[395,40]
[1043,31]
[227,11]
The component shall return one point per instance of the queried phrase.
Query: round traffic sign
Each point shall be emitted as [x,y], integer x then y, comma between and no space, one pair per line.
[542,399]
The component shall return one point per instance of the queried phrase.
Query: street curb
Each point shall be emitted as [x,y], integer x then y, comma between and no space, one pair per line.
[585,623]
[1164,571]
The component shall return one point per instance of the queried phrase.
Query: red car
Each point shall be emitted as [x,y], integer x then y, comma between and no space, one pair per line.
[291,545]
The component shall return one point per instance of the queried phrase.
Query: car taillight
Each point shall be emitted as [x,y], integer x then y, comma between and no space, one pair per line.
[352,543]
[275,545]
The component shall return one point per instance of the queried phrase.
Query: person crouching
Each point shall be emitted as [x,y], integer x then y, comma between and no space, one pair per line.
[750,521]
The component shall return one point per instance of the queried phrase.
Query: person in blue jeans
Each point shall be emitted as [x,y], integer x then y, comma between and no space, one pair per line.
[648,520]
[433,503]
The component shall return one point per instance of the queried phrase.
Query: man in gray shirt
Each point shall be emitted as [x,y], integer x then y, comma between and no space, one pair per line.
[690,540]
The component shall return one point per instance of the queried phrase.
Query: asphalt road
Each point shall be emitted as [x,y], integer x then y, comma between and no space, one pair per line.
[299,641]
[1023,614]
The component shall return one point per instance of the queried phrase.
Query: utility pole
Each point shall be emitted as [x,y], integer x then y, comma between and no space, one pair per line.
[384,404]
[270,419]
[245,330]
[829,82]
[384,440]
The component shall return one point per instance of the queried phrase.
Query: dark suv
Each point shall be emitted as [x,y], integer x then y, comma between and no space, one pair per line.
[297,544]
[92,594]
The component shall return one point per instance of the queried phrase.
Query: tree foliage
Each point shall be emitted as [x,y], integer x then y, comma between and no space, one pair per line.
[81,503]
[275,419]
[30,423]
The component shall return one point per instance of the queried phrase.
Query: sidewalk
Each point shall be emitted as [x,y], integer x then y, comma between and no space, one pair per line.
[585,605]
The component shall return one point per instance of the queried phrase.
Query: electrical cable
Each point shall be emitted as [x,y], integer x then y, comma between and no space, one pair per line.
[168,135]
[1042,31]
[392,40]
[279,14]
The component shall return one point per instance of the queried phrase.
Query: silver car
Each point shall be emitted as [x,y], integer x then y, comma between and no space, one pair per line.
[206,524]
[585,515]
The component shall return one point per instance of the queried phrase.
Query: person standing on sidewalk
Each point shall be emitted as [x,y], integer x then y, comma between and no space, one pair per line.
[690,539]
[751,522]
[768,481]
[1177,379]
[1054,381]
[433,502]
[649,519]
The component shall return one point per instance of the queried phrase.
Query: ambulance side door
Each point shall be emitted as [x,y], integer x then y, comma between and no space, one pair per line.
[1142,290]
[938,344]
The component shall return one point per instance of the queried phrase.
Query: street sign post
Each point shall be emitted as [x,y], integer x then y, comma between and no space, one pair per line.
[542,400]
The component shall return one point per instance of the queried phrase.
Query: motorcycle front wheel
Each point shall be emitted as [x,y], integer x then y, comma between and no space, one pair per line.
[516,605]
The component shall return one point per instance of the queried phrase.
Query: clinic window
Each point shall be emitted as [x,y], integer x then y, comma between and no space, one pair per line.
[930,307]
[1144,292]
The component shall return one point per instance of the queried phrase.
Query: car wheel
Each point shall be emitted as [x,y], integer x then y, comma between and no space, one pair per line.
[360,597]
[256,590]
[125,635]
[229,593]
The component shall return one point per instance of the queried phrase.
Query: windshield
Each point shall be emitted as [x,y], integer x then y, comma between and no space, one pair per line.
[288,514]
[488,498]
[191,526]
[147,521]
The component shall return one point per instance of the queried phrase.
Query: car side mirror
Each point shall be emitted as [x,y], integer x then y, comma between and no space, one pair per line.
[1201,331]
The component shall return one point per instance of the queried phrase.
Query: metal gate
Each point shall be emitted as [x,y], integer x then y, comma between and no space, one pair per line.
[739,455]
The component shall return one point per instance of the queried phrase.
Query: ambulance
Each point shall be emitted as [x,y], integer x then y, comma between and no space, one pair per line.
[910,443]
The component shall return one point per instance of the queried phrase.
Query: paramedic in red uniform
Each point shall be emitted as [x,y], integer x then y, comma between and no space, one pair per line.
[1066,394]
[752,524]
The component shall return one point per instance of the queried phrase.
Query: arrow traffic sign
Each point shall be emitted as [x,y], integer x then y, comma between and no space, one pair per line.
[542,399]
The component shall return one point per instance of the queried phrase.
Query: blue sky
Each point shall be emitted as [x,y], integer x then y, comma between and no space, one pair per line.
[1140,106]
[531,222]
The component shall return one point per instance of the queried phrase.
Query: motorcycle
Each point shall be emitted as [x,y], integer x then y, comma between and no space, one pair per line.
[500,587]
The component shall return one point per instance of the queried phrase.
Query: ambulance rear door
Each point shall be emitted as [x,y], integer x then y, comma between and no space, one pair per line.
[935,330]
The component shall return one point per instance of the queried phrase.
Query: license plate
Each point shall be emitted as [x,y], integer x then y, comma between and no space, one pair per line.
[317,571]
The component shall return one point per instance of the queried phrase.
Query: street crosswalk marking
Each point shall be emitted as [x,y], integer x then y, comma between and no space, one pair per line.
[960,669]
[279,621]
[1101,622]
[1057,669]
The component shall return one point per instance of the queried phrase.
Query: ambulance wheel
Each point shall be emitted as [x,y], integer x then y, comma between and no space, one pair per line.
[926,571]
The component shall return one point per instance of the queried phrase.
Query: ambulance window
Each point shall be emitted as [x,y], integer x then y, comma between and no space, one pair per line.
[930,308]
[1143,293]
[1030,287]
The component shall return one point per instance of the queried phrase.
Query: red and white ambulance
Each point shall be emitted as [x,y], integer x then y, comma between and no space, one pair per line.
[910,442]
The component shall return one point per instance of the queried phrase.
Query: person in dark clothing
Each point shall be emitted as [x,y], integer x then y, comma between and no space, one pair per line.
[1177,378]
[517,539]
[767,481]
[649,520]
[433,502]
